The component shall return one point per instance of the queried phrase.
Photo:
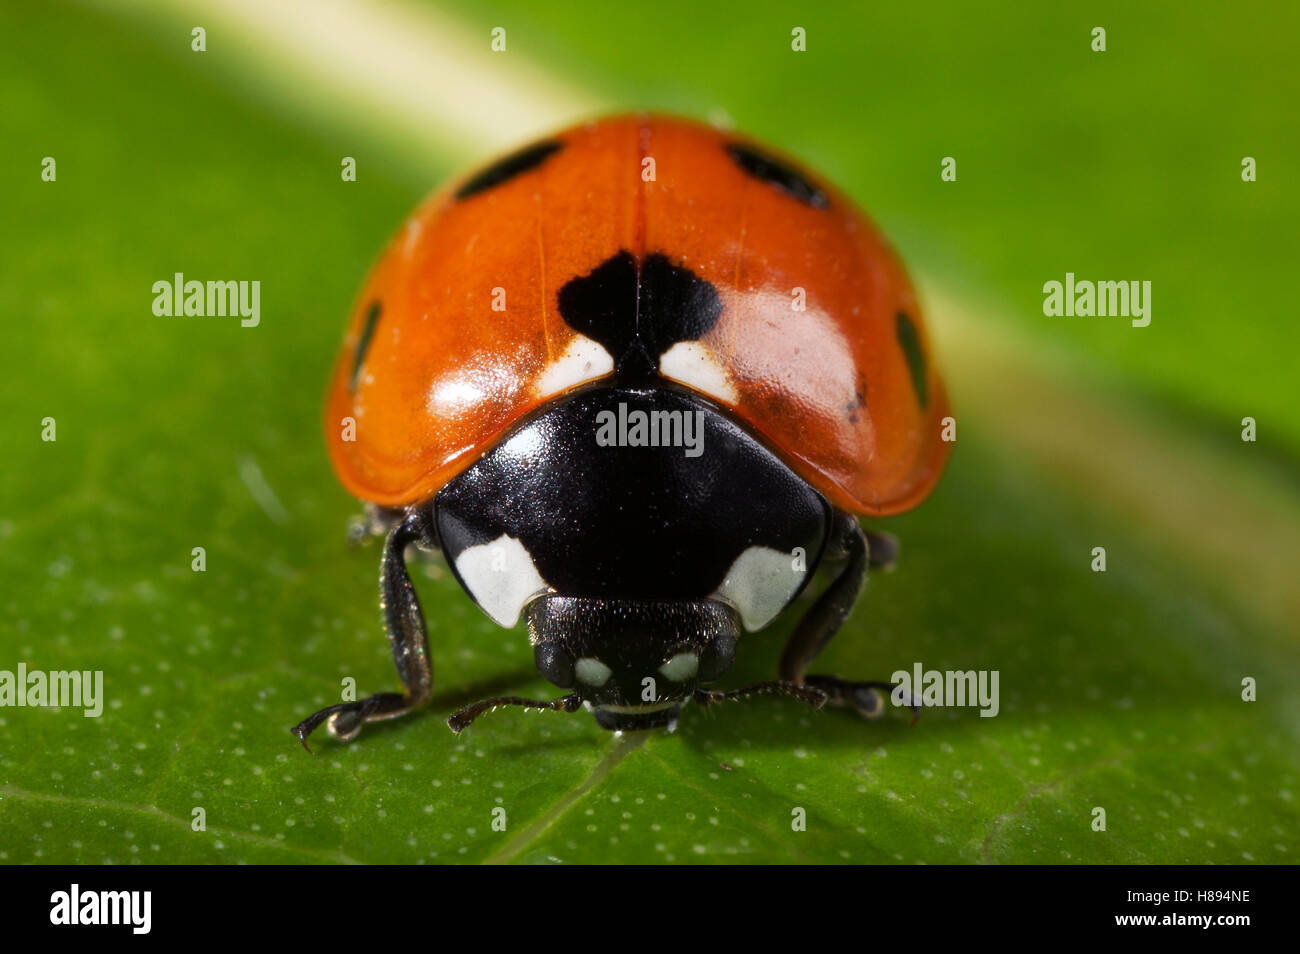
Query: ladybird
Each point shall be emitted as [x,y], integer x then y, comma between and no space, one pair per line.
[637,382]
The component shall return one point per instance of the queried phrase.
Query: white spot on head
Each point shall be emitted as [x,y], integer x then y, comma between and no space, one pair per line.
[681,667]
[592,671]
[583,360]
[694,365]
[501,577]
[760,584]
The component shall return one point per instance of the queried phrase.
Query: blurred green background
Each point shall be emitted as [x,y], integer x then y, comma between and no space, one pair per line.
[1120,690]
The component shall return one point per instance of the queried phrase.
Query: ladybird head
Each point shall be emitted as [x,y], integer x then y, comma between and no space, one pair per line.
[632,662]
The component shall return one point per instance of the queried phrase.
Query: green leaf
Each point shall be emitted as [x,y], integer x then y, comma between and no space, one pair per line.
[1120,690]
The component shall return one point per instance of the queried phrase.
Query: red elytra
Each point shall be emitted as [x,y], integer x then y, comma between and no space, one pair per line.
[819,349]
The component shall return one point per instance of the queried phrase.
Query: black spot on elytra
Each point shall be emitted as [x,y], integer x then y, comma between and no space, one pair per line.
[910,342]
[674,304]
[776,173]
[602,304]
[363,343]
[638,313]
[859,401]
[505,169]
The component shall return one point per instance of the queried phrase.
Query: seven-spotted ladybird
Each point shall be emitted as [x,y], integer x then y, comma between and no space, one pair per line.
[636,382]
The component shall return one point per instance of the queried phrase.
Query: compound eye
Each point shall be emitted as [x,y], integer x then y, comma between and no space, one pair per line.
[718,657]
[680,667]
[592,672]
[555,664]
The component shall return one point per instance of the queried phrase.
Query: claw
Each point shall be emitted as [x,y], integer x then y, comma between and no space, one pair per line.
[302,734]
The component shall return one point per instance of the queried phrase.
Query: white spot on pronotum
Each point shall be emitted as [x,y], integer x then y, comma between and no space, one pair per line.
[681,667]
[199,40]
[948,169]
[1248,689]
[799,40]
[648,169]
[1248,429]
[349,169]
[1099,819]
[1099,39]
[799,560]
[1248,169]
[759,584]
[583,360]
[1098,559]
[501,593]
[694,365]
[591,671]
[498,39]
[199,560]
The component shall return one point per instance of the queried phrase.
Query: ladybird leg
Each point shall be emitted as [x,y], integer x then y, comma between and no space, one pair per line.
[832,608]
[404,623]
